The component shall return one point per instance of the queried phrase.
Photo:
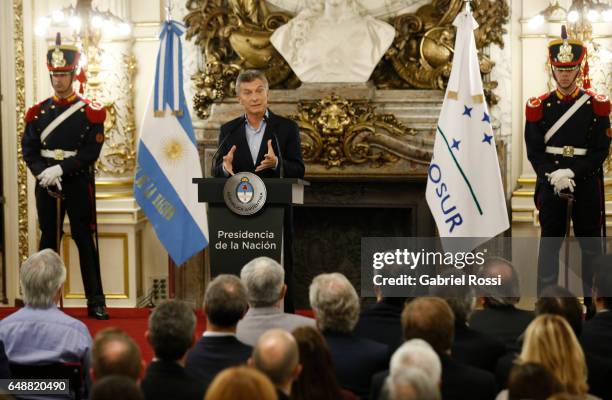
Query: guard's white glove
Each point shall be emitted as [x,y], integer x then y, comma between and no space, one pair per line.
[559,174]
[50,175]
[564,183]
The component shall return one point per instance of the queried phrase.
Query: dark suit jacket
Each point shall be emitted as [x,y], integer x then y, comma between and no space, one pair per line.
[596,336]
[462,382]
[168,380]
[505,324]
[382,323]
[5,372]
[211,355]
[356,360]
[476,349]
[234,133]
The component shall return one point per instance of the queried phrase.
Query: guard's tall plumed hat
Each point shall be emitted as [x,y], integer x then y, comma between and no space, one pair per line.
[62,58]
[566,53]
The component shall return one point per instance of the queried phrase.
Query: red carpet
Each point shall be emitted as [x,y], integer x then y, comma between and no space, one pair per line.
[132,320]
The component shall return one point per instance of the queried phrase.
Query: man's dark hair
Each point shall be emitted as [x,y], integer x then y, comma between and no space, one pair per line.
[559,301]
[430,319]
[532,381]
[506,294]
[115,387]
[602,283]
[114,352]
[171,328]
[225,300]
[249,75]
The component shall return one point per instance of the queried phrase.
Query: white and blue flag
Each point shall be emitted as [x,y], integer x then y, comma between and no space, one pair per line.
[168,157]
[464,186]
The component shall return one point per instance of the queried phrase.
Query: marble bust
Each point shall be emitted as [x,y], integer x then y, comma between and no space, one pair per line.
[333,43]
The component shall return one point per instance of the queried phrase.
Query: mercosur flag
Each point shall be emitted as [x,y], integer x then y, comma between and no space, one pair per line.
[168,157]
[464,187]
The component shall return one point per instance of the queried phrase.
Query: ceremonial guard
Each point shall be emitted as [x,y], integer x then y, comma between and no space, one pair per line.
[567,134]
[61,143]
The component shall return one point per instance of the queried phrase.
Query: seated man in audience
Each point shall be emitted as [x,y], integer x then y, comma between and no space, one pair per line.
[500,317]
[469,346]
[382,322]
[276,354]
[412,384]
[225,303]
[116,353]
[264,280]
[414,353]
[40,333]
[171,333]
[431,319]
[597,333]
[336,307]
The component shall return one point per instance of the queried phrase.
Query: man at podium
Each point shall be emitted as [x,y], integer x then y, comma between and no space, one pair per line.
[263,143]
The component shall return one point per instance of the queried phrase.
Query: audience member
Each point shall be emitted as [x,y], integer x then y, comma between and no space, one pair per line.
[276,354]
[500,317]
[412,384]
[317,381]
[116,353]
[530,381]
[414,353]
[116,387]
[596,335]
[559,301]
[431,319]
[264,280]
[562,302]
[382,321]
[469,346]
[241,383]
[336,307]
[550,341]
[171,333]
[40,333]
[225,303]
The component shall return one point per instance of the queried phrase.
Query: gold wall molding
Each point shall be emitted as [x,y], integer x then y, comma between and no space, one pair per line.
[234,35]
[20,108]
[336,132]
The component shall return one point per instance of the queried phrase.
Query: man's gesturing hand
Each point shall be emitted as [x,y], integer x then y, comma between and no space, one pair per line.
[269,160]
[228,159]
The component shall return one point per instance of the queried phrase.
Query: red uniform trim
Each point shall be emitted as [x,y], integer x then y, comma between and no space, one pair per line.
[33,112]
[534,109]
[95,112]
[601,103]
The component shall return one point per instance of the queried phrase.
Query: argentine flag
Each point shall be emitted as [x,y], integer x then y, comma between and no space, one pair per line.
[168,157]
[464,186]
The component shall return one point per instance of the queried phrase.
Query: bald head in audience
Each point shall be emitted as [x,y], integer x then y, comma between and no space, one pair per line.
[114,352]
[277,356]
[430,319]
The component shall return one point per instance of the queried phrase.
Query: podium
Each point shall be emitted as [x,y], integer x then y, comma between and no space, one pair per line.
[234,239]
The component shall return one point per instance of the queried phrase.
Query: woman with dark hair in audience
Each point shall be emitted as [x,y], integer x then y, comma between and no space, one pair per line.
[241,383]
[317,381]
[530,380]
[550,341]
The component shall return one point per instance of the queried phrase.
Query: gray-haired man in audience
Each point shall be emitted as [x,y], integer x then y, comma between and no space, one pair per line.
[40,333]
[264,279]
